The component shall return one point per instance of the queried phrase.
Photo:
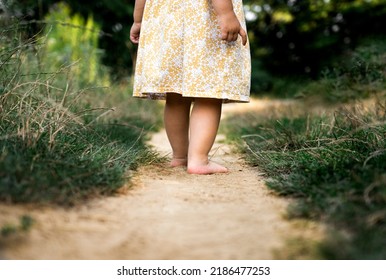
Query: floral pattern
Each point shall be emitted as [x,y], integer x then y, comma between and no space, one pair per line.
[180,51]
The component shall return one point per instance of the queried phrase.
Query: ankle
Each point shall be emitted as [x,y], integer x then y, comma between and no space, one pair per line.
[197,161]
[178,161]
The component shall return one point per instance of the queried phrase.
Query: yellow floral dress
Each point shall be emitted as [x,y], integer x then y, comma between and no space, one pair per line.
[181,51]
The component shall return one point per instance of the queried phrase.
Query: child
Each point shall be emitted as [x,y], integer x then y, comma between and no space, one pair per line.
[191,51]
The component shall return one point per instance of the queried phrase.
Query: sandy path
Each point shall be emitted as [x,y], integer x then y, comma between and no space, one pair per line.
[168,214]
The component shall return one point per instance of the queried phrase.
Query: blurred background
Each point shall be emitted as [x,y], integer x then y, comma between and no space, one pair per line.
[289,38]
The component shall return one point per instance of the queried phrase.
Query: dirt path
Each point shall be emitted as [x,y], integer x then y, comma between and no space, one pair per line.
[168,214]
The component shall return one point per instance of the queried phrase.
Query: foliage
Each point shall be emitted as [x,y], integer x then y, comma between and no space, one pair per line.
[333,163]
[301,37]
[335,166]
[355,74]
[61,142]
[114,17]
[290,37]
[77,45]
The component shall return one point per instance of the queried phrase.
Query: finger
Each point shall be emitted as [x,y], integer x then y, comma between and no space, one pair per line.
[232,37]
[134,39]
[228,37]
[244,36]
[224,35]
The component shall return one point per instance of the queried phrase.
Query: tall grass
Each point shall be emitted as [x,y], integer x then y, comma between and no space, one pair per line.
[73,39]
[63,136]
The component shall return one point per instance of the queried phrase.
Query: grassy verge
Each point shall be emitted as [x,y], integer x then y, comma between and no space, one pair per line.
[61,139]
[334,164]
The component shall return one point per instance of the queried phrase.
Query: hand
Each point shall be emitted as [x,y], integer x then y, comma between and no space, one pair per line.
[230,28]
[135,32]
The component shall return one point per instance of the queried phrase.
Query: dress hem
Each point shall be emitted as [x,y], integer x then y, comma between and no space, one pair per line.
[161,95]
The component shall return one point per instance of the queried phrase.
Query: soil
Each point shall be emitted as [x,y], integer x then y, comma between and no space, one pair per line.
[166,214]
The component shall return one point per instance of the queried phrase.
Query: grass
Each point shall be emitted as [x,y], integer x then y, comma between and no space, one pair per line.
[61,143]
[333,162]
[24,225]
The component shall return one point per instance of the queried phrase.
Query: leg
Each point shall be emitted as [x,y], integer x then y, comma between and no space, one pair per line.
[176,119]
[204,123]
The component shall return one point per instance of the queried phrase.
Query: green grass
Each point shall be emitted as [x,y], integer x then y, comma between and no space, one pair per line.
[59,142]
[334,164]
[24,225]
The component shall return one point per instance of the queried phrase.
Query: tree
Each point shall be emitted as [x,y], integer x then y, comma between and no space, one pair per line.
[299,36]
[288,36]
[114,17]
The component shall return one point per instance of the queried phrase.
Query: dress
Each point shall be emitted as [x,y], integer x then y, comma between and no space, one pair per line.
[181,51]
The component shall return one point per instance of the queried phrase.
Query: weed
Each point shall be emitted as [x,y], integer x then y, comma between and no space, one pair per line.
[25,224]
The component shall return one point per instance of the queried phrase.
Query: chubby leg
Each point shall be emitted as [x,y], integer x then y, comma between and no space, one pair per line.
[176,119]
[204,123]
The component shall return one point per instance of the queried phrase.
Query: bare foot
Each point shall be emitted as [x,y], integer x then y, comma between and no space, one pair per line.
[176,162]
[209,168]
